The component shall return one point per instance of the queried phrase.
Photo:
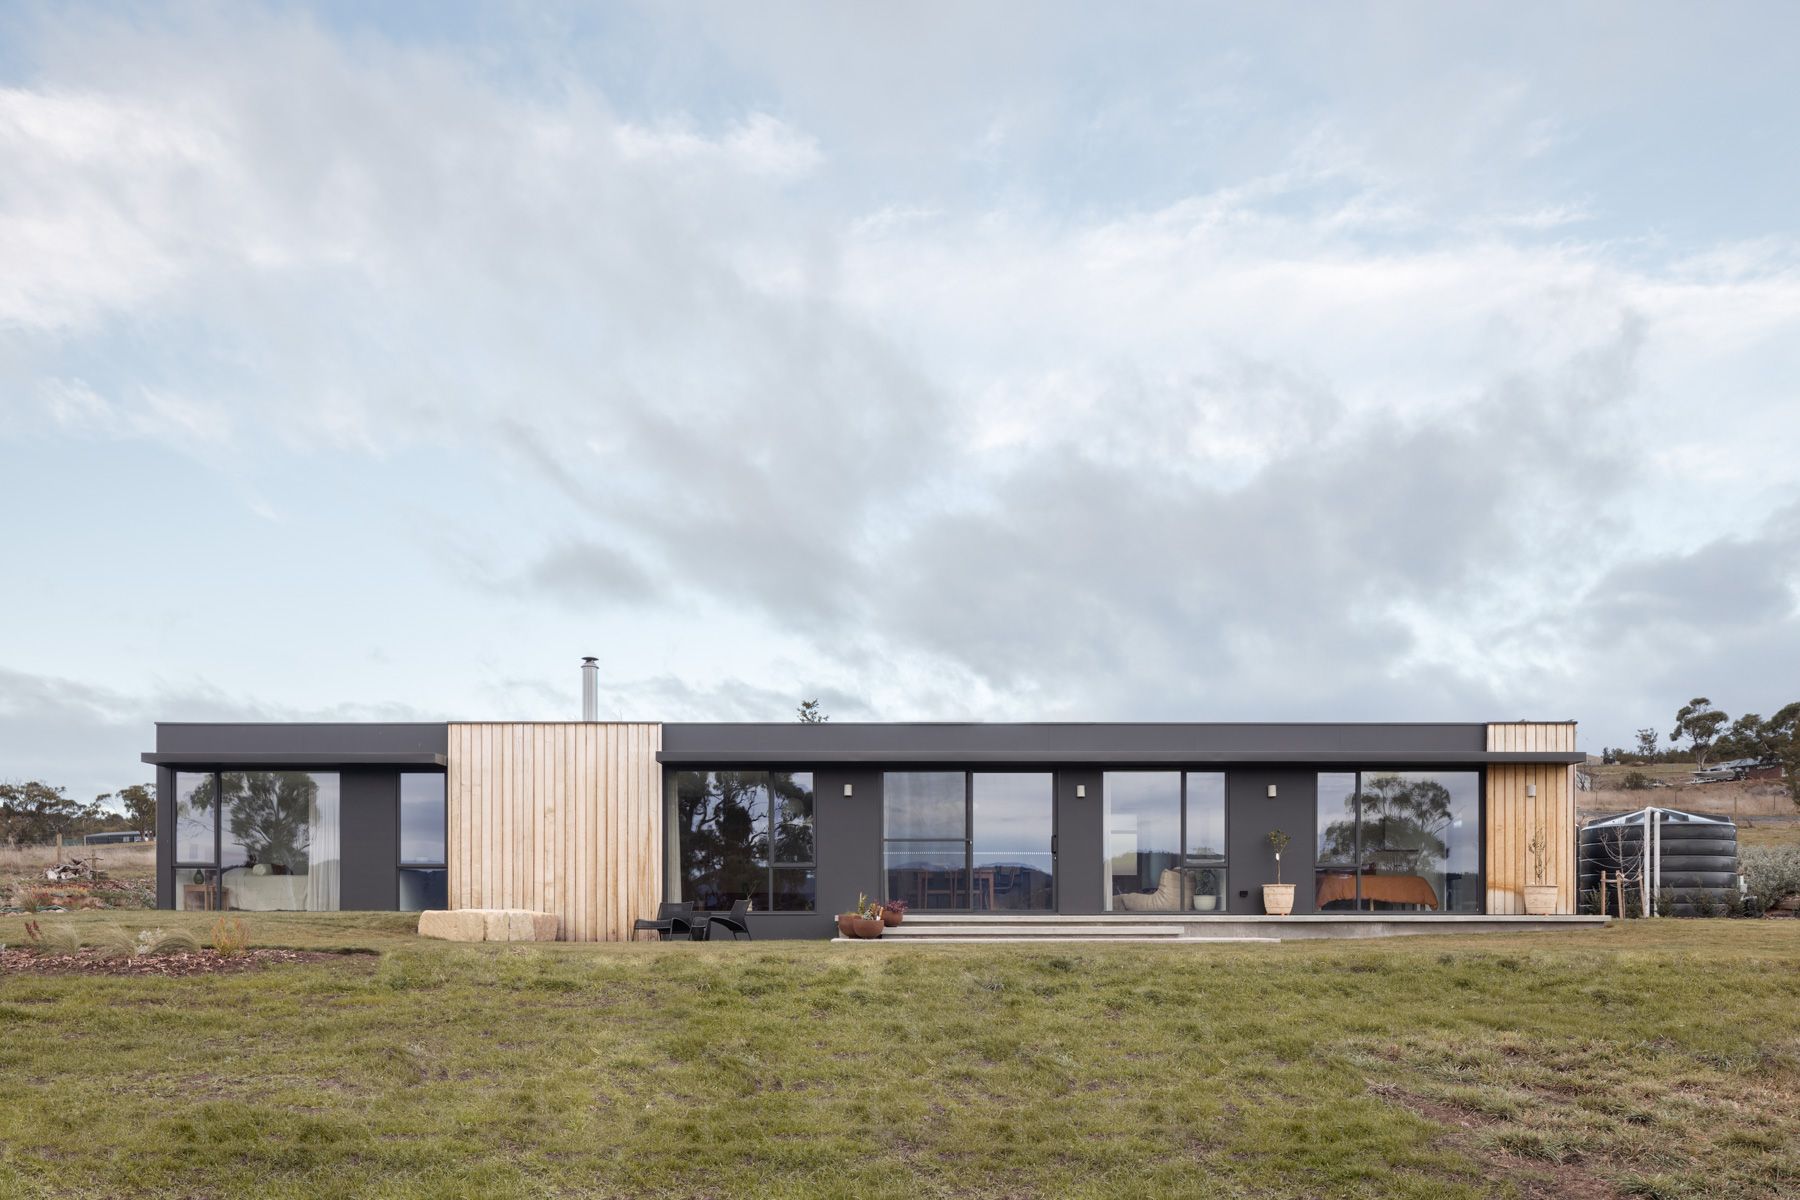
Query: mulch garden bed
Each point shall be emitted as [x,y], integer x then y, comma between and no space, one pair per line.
[199,962]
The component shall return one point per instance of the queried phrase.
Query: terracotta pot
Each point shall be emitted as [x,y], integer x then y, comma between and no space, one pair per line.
[1540,899]
[892,917]
[1278,899]
[853,926]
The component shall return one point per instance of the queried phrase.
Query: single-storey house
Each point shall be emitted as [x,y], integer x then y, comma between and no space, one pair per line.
[598,821]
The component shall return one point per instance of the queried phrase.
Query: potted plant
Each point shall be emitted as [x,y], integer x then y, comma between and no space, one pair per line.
[1206,894]
[1540,895]
[893,912]
[865,922]
[1278,897]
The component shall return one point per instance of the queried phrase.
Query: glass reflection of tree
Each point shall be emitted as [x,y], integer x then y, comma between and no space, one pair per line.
[724,829]
[793,818]
[268,813]
[1403,821]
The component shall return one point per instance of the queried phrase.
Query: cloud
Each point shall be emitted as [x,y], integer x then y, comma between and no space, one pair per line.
[1183,396]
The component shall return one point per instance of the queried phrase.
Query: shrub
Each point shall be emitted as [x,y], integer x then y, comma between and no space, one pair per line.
[58,939]
[229,937]
[1704,903]
[1635,781]
[1771,873]
[1665,902]
[155,943]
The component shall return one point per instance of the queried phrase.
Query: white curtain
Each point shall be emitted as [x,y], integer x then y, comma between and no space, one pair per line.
[322,851]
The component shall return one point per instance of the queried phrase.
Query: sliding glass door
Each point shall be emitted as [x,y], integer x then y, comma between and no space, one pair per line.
[972,841]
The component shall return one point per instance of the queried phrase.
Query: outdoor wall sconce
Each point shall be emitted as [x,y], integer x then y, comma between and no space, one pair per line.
[1081,791]
[1271,791]
[1531,791]
[847,790]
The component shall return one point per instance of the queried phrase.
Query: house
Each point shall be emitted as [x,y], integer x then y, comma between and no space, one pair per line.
[598,821]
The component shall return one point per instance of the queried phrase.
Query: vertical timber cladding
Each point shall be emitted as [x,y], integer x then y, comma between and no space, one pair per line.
[1512,815]
[562,817]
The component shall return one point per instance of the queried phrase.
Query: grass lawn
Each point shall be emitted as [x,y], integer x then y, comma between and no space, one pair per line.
[1656,1059]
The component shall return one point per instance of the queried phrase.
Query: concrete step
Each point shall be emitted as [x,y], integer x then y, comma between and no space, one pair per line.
[1010,929]
[1054,939]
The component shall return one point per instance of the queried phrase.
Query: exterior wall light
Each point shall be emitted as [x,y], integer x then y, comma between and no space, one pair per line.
[1531,790]
[847,790]
[1271,791]
[1081,791]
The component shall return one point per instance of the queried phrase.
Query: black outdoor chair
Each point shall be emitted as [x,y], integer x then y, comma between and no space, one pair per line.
[675,919]
[737,921]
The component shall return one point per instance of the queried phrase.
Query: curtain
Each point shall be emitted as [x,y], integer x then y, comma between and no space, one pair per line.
[322,848]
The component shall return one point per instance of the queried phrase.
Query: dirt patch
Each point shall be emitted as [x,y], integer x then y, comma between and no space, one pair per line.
[199,962]
[1535,1179]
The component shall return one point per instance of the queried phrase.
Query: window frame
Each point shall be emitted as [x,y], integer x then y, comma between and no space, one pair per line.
[677,878]
[968,829]
[1186,862]
[1479,770]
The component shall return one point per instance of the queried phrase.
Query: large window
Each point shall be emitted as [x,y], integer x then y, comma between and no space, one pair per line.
[971,840]
[424,880]
[1165,841]
[256,840]
[1397,841]
[744,835]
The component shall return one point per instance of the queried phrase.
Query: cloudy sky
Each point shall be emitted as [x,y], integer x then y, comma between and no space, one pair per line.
[992,361]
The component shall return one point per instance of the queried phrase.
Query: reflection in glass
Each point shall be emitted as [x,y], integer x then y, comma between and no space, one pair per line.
[928,875]
[1399,841]
[1142,818]
[744,835]
[1334,880]
[925,804]
[1419,840]
[194,817]
[1013,866]
[1205,861]
[423,889]
[421,817]
[278,836]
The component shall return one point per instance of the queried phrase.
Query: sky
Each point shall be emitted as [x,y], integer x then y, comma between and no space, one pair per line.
[940,361]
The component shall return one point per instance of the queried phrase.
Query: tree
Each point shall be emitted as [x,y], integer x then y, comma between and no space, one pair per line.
[1699,722]
[1781,737]
[36,812]
[810,713]
[1647,742]
[140,807]
[1745,739]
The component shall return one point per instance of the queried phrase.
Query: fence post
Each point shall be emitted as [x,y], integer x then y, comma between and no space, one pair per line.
[59,849]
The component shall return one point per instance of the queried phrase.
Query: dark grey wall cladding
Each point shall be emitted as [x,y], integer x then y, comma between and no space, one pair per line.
[423,737]
[812,743]
[368,838]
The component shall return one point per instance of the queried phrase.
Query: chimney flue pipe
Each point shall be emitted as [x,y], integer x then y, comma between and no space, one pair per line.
[590,689]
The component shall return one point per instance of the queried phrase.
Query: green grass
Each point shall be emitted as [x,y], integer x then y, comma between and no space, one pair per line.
[1659,1059]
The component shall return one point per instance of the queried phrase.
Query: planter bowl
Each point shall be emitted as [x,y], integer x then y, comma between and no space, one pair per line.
[892,917]
[853,926]
[1205,903]
[1540,899]
[1278,899]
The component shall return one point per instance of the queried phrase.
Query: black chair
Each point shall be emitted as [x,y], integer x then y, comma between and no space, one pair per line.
[737,921]
[674,919]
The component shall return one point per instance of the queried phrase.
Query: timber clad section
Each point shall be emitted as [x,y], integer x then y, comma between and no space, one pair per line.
[1512,815]
[560,818]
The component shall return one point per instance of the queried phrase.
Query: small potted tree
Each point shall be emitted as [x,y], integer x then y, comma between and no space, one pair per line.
[1540,894]
[1278,897]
